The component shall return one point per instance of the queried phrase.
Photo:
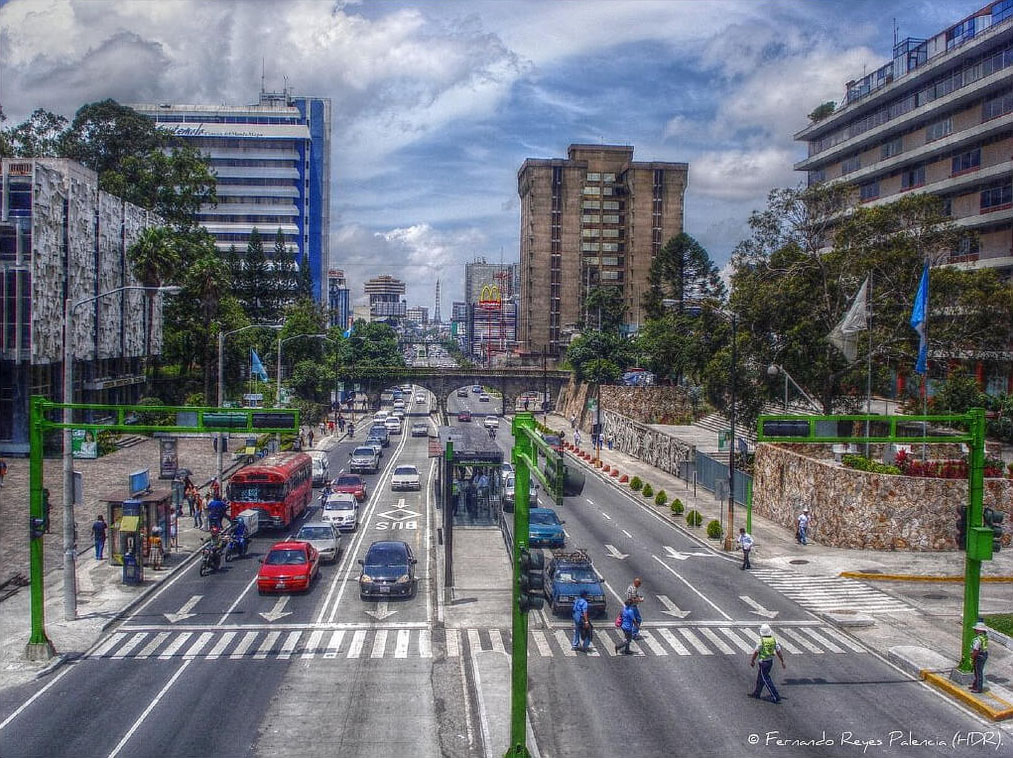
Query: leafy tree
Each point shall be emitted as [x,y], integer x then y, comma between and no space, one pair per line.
[155,259]
[605,309]
[38,136]
[103,134]
[286,281]
[958,394]
[256,290]
[600,356]
[682,271]
[373,345]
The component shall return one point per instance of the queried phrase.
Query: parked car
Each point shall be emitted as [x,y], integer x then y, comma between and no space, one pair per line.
[420,429]
[322,535]
[554,441]
[342,510]
[463,392]
[405,477]
[352,484]
[288,566]
[388,570]
[566,576]
[545,529]
[464,416]
[509,487]
[364,459]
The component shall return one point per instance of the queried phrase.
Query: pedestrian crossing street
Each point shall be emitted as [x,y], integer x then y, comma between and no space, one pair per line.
[830,593]
[378,643]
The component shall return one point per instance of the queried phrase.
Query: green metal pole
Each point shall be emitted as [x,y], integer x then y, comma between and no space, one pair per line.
[972,565]
[749,506]
[39,646]
[524,423]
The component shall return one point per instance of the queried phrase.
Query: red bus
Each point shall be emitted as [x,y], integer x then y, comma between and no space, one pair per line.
[280,486]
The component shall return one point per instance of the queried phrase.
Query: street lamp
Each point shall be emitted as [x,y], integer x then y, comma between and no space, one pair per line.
[729,537]
[296,336]
[774,369]
[221,382]
[69,532]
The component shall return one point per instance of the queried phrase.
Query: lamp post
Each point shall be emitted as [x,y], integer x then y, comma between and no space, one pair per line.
[774,369]
[69,532]
[221,383]
[729,536]
[296,336]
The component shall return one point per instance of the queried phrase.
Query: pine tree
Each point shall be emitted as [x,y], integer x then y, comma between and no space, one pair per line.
[305,277]
[286,280]
[257,292]
[682,271]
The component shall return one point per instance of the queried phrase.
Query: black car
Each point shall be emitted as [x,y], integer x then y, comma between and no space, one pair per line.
[380,432]
[388,570]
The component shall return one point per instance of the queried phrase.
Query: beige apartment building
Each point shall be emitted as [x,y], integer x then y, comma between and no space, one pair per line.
[596,218]
[938,117]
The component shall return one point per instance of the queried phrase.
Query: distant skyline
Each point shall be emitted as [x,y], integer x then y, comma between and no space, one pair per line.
[437,104]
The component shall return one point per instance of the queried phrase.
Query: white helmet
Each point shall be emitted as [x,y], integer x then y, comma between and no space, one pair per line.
[765,630]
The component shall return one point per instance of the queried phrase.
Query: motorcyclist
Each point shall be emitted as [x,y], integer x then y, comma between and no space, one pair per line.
[216,512]
[351,430]
[325,493]
[492,432]
[215,546]
[239,536]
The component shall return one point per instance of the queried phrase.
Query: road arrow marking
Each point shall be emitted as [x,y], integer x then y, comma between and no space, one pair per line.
[673,553]
[278,611]
[606,515]
[671,609]
[627,534]
[758,609]
[381,611]
[184,612]
[614,553]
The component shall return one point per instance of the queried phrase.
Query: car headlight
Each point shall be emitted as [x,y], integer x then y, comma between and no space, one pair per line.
[365,578]
[403,579]
[566,598]
[598,598]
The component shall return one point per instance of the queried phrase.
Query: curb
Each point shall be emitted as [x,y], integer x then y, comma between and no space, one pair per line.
[969,698]
[919,578]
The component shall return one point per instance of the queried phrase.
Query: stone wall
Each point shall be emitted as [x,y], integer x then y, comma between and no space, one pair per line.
[856,509]
[646,405]
[650,445]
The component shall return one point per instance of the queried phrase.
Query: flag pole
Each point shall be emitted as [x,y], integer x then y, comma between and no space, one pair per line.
[868,376]
[925,374]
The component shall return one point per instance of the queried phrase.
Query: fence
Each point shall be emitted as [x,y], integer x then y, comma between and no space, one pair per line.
[712,474]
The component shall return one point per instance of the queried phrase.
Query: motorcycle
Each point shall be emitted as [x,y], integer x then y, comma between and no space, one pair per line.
[351,431]
[237,545]
[211,558]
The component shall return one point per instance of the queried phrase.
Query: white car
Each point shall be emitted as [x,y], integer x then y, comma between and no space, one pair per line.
[420,398]
[379,416]
[393,424]
[342,510]
[399,404]
[491,422]
[398,414]
[405,478]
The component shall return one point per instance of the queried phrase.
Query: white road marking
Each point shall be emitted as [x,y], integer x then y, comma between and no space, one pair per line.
[289,645]
[223,643]
[627,534]
[108,645]
[741,644]
[453,643]
[184,611]
[355,648]
[541,643]
[671,609]
[379,644]
[717,641]
[564,640]
[693,640]
[673,641]
[244,645]
[312,644]
[152,646]
[278,611]
[496,639]
[820,639]
[195,649]
[174,646]
[127,648]
[401,646]
[266,645]
[653,644]
[334,644]
[758,609]
[606,515]
[678,576]
[425,644]
[149,709]
[843,638]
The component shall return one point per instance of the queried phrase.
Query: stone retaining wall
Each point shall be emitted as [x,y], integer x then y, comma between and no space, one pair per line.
[646,405]
[856,509]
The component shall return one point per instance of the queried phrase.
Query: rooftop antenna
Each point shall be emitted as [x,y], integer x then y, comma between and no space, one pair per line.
[263,70]
[895,31]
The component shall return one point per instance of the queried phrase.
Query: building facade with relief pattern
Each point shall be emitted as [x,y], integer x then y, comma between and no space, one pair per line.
[595,218]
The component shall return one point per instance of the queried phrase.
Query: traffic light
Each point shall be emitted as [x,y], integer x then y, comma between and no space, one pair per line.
[962,527]
[38,526]
[45,509]
[993,519]
[531,581]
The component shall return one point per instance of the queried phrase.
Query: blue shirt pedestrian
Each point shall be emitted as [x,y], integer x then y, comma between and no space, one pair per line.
[579,618]
[629,625]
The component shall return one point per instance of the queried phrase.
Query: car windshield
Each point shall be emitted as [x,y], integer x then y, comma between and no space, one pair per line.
[285,558]
[315,533]
[345,481]
[406,470]
[363,451]
[577,576]
[386,556]
[256,493]
[545,519]
[339,505]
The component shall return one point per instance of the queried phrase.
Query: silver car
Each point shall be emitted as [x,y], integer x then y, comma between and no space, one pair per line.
[323,536]
[341,510]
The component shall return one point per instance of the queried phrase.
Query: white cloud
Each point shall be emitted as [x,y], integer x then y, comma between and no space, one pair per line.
[740,174]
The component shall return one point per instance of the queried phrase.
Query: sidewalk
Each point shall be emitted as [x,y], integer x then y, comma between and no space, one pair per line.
[919,642]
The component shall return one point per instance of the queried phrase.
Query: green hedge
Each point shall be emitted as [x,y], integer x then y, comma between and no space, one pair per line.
[693,518]
[648,491]
[661,498]
[677,507]
[636,483]
[714,530]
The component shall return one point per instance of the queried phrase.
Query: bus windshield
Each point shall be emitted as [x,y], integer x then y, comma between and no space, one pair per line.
[256,492]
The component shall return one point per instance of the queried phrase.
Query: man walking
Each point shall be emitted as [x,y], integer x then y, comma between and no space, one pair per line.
[580,621]
[745,542]
[628,625]
[98,530]
[635,598]
[979,654]
[765,650]
[803,527]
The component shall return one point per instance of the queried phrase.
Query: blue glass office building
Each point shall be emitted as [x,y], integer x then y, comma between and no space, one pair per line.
[273,165]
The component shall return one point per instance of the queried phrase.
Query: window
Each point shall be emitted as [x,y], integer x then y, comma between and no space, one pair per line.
[891,148]
[939,129]
[851,164]
[591,205]
[869,191]
[817,177]
[611,205]
[611,218]
[913,177]
[997,106]
[968,245]
[588,219]
[608,178]
[589,190]
[996,198]
[1001,11]
[610,233]
[593,177]
[966,161]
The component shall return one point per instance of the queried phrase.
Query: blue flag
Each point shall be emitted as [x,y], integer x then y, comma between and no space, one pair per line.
[256,367]
[919,316]
[348,331]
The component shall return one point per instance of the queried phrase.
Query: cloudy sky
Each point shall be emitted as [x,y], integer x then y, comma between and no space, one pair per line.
[436,103]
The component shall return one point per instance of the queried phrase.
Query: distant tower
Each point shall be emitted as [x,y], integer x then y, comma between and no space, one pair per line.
[436,314]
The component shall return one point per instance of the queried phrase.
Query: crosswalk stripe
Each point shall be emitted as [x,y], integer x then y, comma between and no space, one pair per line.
[673,641]
[608,645]
[174,646]
[152,646]
[109,644]
[741,644]
[564,642]
[244,645]
[313,644]
[401,647]
[693,640]
[130,644]
[719,643]
[474,641]
[425,644]
[496,638]
[334,644]
[790,648]
[223,643]
[794,635]
[266,645]
[820,639]
[843,638]
[453,643]
[538,637]
[289,645]
[355,648]
[194,650]
[379,644]
[653,644]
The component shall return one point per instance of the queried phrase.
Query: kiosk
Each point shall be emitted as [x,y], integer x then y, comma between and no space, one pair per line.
[131,515]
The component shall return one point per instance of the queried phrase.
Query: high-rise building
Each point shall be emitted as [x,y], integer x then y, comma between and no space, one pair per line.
[418,314]
[385,299]
[935,118]
[596,218]
[273,163]
[339,304]
[61,237]
[479,274]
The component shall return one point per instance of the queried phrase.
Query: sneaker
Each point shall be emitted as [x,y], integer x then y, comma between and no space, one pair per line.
[573,647]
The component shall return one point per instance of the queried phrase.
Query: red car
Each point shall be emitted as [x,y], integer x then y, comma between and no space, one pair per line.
[353,484]
[464,416]
[288,566]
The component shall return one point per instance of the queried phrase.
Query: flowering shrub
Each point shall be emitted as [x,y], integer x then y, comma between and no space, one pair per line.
[947,469]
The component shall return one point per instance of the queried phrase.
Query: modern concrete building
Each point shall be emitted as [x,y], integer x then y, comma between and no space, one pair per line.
[938,118]
[61,237]
[339,304]
[478,274]
[273,162]
[595,218]
[418,314]
[386,302]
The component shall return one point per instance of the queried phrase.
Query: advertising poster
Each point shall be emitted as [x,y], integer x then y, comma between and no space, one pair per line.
[83,443]
[168,460]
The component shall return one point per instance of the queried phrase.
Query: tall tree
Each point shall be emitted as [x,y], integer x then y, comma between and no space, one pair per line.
[257,290]
[286,281]
[155,258]
[305,288]
[682,272]
[605,309]
[103,134]
[38,136]
[600,356]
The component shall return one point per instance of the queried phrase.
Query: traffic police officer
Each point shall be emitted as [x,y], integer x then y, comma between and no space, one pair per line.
[766,649]
[979,654]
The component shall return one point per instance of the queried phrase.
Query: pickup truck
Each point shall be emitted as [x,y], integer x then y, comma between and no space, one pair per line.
[364,460]
[566,576]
